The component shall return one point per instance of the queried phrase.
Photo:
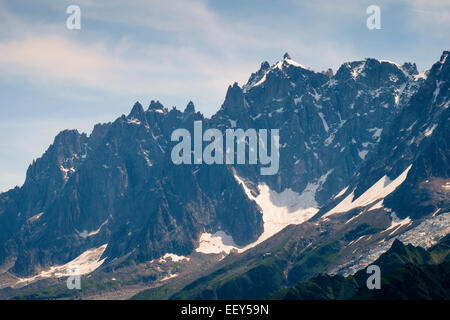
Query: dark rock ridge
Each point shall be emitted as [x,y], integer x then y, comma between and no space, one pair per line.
[327,125]
[418,139]
[118,186]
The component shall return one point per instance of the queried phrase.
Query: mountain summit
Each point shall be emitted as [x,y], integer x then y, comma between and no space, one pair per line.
[370,138]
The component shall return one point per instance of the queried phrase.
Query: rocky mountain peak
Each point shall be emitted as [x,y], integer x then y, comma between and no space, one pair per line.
[190,108]
[375,73]
[264,66]
[444,61]
[155,105]
[410,68]
[329,73]
[257,76]
[137,111]
[66,136]
[121,182]
[234,104]
[444,56]
[397,246]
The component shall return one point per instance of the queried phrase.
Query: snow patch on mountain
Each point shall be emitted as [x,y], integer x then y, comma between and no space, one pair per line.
[397,223]
[168,277]
[378,205]
[379,190]
[86,234]
[279,210]
[325,124]
[358,71]
[216,243]
[173,257]
[280,65]
[430,130]
[363,153]
[288,60]
[84,264]
[425,235]
[134,121]
[340,193]
[376,132]
[35,217]
[285,208]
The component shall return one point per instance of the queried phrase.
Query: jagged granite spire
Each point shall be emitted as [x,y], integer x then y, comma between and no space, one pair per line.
[190,108]
[234,104]
[137,111]
[155,105]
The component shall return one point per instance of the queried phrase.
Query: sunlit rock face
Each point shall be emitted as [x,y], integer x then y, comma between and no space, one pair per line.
[119,187]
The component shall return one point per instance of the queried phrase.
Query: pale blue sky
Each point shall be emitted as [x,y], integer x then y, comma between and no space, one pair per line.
[52,78]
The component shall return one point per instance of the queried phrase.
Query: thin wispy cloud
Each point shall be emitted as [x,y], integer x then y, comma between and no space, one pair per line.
[162,68]
[203,50]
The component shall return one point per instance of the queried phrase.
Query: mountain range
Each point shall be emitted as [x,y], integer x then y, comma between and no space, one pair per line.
[364,160]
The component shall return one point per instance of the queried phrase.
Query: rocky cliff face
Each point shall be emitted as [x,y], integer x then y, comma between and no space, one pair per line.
[119,187]
[418,140]
[327,124]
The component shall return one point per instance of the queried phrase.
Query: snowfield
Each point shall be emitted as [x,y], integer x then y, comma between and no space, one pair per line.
[378,191]
[279,210]
[84,264]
